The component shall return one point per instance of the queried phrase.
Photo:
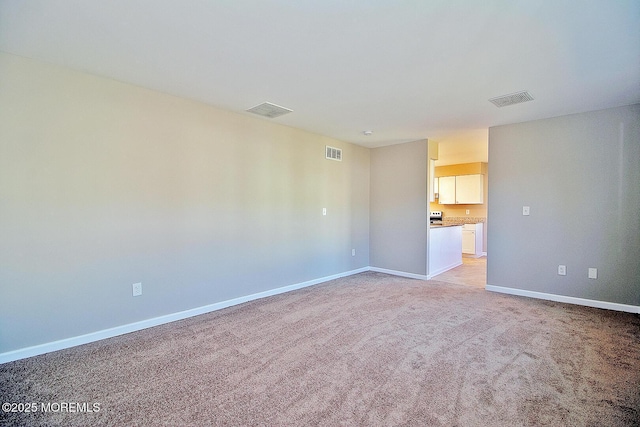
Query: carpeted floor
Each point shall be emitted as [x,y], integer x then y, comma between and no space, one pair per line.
[370,350]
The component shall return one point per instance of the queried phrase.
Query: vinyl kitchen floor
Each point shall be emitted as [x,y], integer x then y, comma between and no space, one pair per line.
[472,272]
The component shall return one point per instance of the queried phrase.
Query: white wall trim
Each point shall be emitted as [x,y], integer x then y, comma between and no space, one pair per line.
[570,300]
[36,350]
[23,353]
[443,269]
[399,273]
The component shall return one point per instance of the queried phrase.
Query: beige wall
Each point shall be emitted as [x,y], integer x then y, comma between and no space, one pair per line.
[104,184]
[580,176]
[398,232]
[461,169]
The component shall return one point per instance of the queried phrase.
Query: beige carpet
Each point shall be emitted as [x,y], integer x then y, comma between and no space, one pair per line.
[370,350]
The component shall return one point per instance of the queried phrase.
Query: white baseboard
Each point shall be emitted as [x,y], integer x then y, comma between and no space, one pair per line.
[137,326]
[399,273]
[443,269]
[23,353]
[570,300]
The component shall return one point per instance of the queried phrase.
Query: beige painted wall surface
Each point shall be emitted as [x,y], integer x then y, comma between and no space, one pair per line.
[104,184]
[580,176]
[461,169]
[398,232]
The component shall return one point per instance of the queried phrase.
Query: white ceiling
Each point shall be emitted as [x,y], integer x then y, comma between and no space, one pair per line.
[406,70]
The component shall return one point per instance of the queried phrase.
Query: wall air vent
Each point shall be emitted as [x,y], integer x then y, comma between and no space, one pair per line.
[267,109]
[514,98]
[333,153]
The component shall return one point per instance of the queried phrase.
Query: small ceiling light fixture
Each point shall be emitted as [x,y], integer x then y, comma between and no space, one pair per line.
[512,98]
[368,132]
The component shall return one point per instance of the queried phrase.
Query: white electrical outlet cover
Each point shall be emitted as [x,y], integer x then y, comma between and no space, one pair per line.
[525,210]
[593,273]
[137,289]
[562,270]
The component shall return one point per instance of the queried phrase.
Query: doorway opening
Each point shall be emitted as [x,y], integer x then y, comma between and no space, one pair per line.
[459,191]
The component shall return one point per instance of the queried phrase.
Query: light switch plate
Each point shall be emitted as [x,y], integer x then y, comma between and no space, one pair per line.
[525,210]
[593,273]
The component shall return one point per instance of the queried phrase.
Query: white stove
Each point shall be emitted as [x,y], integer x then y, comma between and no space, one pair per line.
[435,218]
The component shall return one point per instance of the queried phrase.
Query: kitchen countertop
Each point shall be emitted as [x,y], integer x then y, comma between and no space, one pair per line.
[444,225]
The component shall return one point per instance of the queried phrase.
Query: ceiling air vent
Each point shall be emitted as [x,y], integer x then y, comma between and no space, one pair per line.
[333,153]
[267,109]
[514,98]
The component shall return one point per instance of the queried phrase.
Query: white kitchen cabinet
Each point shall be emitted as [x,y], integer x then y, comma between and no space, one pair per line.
[447,190]
[472,239]
[461,190]
[469,189]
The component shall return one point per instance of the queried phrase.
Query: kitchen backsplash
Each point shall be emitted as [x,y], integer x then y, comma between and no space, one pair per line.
[459,220]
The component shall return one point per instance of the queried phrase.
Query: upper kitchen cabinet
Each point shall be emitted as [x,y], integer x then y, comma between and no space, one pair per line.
[461,190]
[447,190]
[469,189]
[461,184]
